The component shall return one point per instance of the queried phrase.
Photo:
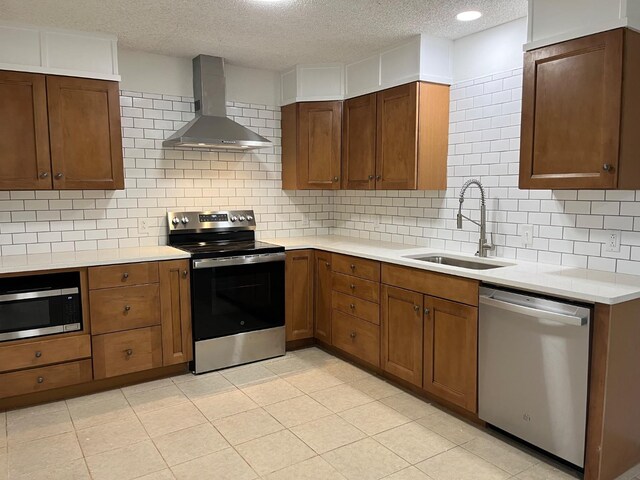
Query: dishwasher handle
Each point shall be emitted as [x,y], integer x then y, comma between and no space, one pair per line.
[573,320]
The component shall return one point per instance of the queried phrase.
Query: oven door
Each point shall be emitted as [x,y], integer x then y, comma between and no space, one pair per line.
[237,294]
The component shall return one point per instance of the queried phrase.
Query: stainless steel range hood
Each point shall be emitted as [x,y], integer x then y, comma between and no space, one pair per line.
[211,128]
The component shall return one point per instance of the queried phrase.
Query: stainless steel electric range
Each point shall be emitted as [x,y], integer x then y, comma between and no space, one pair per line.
[237,288]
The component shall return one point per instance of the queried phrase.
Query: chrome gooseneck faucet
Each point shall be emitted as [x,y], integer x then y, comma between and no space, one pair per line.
[483,245]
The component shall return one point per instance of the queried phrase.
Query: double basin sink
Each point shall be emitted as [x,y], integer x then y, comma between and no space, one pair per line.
[460,262]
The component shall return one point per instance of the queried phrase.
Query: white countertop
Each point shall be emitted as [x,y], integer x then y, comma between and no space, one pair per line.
[88,258]
[569,282]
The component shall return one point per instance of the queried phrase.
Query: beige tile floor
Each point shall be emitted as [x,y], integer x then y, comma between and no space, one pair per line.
[306,416]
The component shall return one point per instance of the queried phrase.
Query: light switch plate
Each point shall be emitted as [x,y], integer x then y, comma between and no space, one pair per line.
[612,243]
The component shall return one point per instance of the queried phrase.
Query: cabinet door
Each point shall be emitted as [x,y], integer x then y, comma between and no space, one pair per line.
[402,324]
[319,144]
[85,136]
[24,142]
[451,351]
[299,294]
[175,306]
[359,143]
[571,113]
[397,148]
[322,300]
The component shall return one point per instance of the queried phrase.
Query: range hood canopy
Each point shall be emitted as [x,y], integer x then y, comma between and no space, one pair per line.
[211,128]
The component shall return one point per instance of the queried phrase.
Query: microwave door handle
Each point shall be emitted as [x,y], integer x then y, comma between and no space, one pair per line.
[243,260]
[11,297]
[573,320]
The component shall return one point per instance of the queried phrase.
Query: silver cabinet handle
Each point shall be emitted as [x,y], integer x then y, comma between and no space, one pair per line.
[426,311]
[44,174]
[352,334]
[127,308]
[371,177]
[40,379]
[416,308]
[129,352]
[353,267]
[59,175]
[125,275]
[185,273]
[38,354]
[352,286]
[352,306]
[378,177]
[607,167]
[327,264]
[335,179]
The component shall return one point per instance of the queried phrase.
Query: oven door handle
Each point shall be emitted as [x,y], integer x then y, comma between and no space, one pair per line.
[241,260]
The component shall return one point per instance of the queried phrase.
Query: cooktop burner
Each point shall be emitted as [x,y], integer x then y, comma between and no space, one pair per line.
[216,234]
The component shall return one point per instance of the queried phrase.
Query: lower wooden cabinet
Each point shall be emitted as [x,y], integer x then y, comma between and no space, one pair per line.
[356,336]
[299,294]
[127,352]
[44,352]
[402,334]
[451,351]
[124,308]
[175,305]
[44,378]
[322,297]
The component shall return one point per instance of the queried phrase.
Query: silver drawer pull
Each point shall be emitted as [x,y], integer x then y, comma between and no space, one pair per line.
[127,308]
[416,308]
[353,335]
[352,286]
[426,311]
[40,379]
[38,354]
[352,306]
[129,352]
[125,275]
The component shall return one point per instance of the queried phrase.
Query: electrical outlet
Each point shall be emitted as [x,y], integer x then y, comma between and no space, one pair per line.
[526,235]
[143,226]
[612,243]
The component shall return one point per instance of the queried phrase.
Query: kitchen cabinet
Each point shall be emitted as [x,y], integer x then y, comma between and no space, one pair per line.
[580,112]
[402,334]
[451,351]
[299,274]
[24,144]
[59,133]
[311,145]
[39,379]
[359,143]
[128,351]
[357,337]
[412,137]
[85,136]
[175,312]
[322,297]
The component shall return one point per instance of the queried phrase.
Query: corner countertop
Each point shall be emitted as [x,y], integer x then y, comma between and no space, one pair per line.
[87,258]
[590,286]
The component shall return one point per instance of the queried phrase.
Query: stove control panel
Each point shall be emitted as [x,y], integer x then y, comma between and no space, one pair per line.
[211,221]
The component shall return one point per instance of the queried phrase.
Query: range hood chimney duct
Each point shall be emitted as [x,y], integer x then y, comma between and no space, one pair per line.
[211,128]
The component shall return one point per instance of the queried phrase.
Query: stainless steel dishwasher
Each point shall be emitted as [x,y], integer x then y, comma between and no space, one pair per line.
[533,365]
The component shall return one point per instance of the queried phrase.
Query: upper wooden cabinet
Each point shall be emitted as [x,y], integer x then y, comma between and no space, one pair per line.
[580,113]
[84,125]
[311,143]
[359,143]
[397,139]
[24,142]
[59,133]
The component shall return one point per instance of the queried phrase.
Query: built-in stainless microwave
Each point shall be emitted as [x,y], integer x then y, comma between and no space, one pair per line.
[38,305]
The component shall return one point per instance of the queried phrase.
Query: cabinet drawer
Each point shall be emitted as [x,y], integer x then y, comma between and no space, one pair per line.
[355,336]
[127,352]
[358,287]
[115,309]
[44,352]
[351,305]
[44,378]
[358,267]
[450,287]
[121,275]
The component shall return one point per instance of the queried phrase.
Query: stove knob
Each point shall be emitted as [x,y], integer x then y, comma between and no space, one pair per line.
[249,218]
[185,220]
[175,220]
[233,218]
[241,218]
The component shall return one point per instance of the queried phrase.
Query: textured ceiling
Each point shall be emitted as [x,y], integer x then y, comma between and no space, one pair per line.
[262,34]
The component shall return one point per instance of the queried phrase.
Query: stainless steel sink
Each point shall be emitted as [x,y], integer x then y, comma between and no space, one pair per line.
[458,262]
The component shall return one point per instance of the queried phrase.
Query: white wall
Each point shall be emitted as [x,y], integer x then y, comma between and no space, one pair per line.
[152,73]
[488,52]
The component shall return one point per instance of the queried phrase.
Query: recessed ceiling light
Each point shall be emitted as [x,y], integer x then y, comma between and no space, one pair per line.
[468,16]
